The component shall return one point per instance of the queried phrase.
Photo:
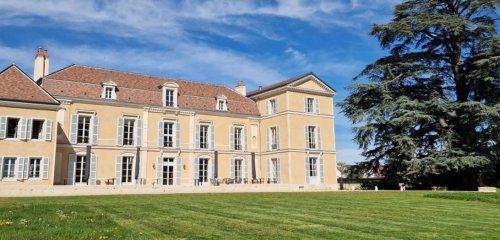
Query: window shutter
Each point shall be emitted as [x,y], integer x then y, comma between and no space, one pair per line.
[316,105]
[45,168]
[48,130]
[118,170]
[177,135]
[244,138]
[307,169]
[212,142]
[20,168]
[26,163]
[278,137]
[71,169]
[178,171]
[95,130]
[23,129]
[305,104]
[244,170]
[231,138]
[211,172]
[268,138]
[1,167]
[74,128]
[269,168]
[232,168]
[321,173]
[93,170]
[159,170]
[3,128]
[196,168]
[138,132]
[29,128]
[197,138]
[306,136]
[319,137]
[160,134]
[119,132]
[268,107]
[278,170]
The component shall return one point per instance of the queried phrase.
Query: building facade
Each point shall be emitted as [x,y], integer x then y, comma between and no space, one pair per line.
[119,128]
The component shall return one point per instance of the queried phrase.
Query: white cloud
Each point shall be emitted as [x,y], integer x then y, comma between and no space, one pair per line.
[297,56]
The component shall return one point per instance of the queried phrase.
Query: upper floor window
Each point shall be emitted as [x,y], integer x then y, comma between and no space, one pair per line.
[238,132]
[168,134]
[170,92]
[313,137]
[272,106]
[311,105]
[83,133]
[12,127]
[37,128]
[204,136]
[273,138]
[109,93]
[221,102]
[128,131]
[169,98]
[109,90]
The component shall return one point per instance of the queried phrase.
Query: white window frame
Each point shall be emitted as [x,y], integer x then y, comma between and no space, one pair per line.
[87,161]
[313,168]
[12,167]
[108,85]
[273,138]
[172,86]
[131,169]
[173,135]
[238,137]
[172,164]
[206,170]
[40,167]
[273,106]
[207,136]
[312,141]
[42,137]
[238,168]
[274,169]
[131,135]
[310,107]
[89,137]
[18,129]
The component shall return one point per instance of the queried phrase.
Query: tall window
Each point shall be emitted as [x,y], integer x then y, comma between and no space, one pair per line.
[12,127]
[221,105]
[34,168]
[274,138]
[273,106]
[83,129]
[275,170]
[80,169]
[203,170]
[313,166]
[128,132]
[168,171]
[108,94]
[127,166]
[168,134]
[169,98]
[37,129]
[204,136]
[310,105]
[237,138]
[311,137]
[9,164]
[238,168]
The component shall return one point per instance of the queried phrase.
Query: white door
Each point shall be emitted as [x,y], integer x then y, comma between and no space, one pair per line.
[203,172]
[80,170]
[313,171]
[168,171]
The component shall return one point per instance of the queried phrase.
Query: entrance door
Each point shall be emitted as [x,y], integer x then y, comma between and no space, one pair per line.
[203,171]
[80,170]
[313,170]
[168,171]
[127,167]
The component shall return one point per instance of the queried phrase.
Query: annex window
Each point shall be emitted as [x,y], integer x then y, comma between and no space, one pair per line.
[168,134]
[203,170]
[9,164]
[272,106]
[169,98]
[273,138]
[204,131]
[311,137]
[34,168]
[37,129]
[127,166]
[12,127]
[83,133]
[80,169]
[128,132]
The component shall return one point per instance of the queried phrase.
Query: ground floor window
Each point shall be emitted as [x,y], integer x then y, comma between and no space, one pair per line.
[80,169]
[313,167]
[203,170]
[238,168]
[168,171]
[34,168]
[274,170]
[127,165]
[9,164]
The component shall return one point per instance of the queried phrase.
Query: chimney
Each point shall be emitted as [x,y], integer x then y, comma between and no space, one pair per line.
[41,64]
[241,88]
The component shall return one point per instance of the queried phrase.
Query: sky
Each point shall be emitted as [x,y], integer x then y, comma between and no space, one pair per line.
[258,42]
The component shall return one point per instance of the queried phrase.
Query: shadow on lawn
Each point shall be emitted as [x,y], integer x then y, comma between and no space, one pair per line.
[468,196]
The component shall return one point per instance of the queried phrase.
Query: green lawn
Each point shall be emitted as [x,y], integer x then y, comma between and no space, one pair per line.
[334,215]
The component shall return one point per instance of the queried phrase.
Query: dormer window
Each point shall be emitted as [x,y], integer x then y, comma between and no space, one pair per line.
[108,90]
[170,92]
[221,103]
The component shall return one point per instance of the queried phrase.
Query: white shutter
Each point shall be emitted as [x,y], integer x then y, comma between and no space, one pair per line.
[232,169]
[119,132]
[197,136]
[319,137]
[244,168]
[45,168]
[316,105]
[178,171]
[278,137]
[159,170]
[268,138]
[307,170]
[93,170]
[305,104]
[196,168]
[20,168]
[268,108]
[278,170]
[1,167]
[160,134]
[212,142]
[231,138]
[177,135]
[23,129]
[118,170]
[321,173]
[211,172]
[74,129]
[29,128]
[3,127]
[269,168]
[26,163]
[48,130]
[95,130]
[71,169]
[306,136]
[138,132]
[244,138]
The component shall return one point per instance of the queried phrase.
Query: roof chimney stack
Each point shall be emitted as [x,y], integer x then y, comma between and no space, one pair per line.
[241,88]
[41,64]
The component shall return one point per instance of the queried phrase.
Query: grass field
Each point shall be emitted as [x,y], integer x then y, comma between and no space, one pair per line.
[334,215]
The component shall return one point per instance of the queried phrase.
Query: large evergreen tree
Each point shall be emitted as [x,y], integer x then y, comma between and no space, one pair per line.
[429,112]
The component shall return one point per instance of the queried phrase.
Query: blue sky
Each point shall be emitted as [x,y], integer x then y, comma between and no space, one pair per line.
[259,42]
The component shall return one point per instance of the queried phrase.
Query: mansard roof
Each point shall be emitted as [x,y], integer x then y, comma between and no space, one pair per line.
[15,85]
[77,81]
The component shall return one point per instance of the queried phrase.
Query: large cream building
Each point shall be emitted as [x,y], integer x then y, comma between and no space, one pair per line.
[85,125]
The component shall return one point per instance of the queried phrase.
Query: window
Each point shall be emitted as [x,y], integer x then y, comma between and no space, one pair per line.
[83,129]
[168,134]
[80,169]
[310,105]
[238,168]
[128,132]
[204,136]
[168,171]
[311,137]
[221,105]
[34,168]
[12,127]
[273,106]
[108,94]
[127,166]
[203,170]
[237,138]
[274,171]
[9,164]
[169,97]
[274,138]
[313,166]
[37,129]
